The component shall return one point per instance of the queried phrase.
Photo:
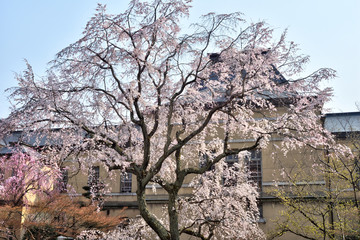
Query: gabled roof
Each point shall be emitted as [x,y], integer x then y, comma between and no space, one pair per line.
[278,79]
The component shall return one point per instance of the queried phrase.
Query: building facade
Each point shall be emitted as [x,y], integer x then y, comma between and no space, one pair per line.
[278,178]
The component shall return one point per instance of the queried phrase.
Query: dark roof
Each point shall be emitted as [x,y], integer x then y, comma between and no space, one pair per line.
[21,140]
[346,122]
[348,114]
[279,78]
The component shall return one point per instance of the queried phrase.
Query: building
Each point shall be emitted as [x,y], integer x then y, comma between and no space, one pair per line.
[278,176]
[265,168]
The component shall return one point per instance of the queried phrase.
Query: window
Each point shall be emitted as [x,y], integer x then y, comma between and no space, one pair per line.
[13,172]
[261,212]
[252,164]
[231,177]
[94,176]
[204,159]
[356,173]
[2,175]
[94,183]
[125,182]
[64,179]
[231,159]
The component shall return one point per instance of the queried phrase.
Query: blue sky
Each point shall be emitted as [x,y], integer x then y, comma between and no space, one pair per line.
[327,30]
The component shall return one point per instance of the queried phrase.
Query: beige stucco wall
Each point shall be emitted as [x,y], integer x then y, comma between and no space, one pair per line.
[298,163]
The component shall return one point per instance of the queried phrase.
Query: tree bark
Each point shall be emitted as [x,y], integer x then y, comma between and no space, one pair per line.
[173,216]
[150,219]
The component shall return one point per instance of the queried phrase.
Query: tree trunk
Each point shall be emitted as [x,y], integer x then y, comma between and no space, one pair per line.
[150,219]
[173,216]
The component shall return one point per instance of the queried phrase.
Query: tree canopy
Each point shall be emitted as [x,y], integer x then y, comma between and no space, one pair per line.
[138,93]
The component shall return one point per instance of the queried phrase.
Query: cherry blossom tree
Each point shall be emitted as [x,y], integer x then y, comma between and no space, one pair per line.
[24,176]
[24,179]
[139,94]
[32,203]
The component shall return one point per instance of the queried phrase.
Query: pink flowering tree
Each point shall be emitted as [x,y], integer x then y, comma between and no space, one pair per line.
[23,177]
[139,94]
[24,181]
